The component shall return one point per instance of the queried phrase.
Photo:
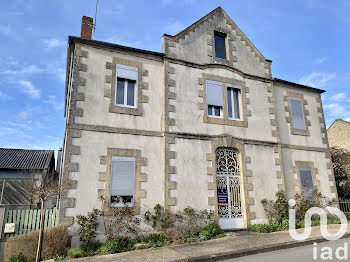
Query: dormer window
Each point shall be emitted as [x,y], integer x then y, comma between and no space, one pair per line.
[220,45]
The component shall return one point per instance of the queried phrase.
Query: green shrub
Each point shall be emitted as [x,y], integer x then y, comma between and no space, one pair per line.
[333,220]
[88,225]
[194,220]
[17,258]
[120,244]
[161,219]
[91,249]
[274,225]
[278,209]
[55,243]
[154,239]
[75,252]
[210,231]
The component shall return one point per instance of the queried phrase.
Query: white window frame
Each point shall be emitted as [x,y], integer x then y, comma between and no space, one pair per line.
[240,102]
[119,158]
[291,112]
[127,79]
[216,83]
[213,115]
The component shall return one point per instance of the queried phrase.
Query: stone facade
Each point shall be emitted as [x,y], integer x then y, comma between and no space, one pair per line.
[339,134]
[170,133]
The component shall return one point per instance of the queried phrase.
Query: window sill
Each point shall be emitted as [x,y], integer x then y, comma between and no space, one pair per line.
[235,119]
[217,117]
[126,106]
[127,110]
[222,61]
[121,205]
[300,132]
[225,121]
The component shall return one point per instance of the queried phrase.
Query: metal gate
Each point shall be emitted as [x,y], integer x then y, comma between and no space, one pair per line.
[228,182]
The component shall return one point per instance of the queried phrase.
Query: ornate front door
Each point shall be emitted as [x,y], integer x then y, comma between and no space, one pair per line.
[228,182]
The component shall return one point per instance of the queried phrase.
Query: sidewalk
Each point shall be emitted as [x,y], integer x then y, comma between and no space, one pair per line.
[236,244]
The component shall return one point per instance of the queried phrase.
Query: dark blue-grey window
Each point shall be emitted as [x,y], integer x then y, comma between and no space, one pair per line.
[233,106]
[296,108]
[307,185]
[120,91]
[220,45]
[125,94]
[214,110]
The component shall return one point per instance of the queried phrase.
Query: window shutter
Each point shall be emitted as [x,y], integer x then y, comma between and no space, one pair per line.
[296,108]
[127,72]
[122,176]
[214,93]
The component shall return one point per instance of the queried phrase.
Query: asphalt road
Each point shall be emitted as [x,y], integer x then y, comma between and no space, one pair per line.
[301,254]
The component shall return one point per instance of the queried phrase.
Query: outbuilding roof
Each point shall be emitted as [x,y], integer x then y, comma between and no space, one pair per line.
[27,159]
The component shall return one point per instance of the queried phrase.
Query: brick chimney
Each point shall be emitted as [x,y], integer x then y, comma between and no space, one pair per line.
[86,27]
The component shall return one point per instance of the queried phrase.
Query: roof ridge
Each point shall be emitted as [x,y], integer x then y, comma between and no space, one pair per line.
[338,120]
[27,149]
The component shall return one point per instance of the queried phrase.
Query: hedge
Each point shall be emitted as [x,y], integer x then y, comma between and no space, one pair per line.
[55,243]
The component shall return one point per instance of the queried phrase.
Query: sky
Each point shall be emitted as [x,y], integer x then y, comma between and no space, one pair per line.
[307,40]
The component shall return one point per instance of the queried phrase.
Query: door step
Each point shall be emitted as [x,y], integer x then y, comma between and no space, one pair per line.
[238,232]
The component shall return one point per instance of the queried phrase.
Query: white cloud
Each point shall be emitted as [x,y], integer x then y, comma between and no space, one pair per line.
[317,79]
[14,69]
[57,104]
[52,43]
[25,70]
[321,60]
[174,28]
[29,88]
[54,144]
[24,114]
[338,97]
[336,110]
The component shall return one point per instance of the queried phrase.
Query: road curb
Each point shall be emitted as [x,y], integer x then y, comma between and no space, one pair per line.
[254,251]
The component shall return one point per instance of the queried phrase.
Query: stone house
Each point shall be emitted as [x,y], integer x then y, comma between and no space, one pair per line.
[202,123]
[339,134]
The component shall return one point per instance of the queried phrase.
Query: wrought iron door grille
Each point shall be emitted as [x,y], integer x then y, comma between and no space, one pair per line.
[228,183]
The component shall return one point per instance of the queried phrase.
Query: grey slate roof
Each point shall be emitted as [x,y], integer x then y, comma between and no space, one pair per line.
[25,158]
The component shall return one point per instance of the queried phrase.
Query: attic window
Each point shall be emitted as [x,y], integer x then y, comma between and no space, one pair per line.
[220,46]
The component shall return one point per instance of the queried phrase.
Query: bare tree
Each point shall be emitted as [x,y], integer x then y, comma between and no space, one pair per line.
[41,189]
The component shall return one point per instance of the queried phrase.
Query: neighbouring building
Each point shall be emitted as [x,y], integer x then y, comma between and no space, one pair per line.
[339,134]
[202,123]
[21,164]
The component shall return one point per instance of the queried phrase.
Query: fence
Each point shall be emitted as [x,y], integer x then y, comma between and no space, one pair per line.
[345,206]
[28,220]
